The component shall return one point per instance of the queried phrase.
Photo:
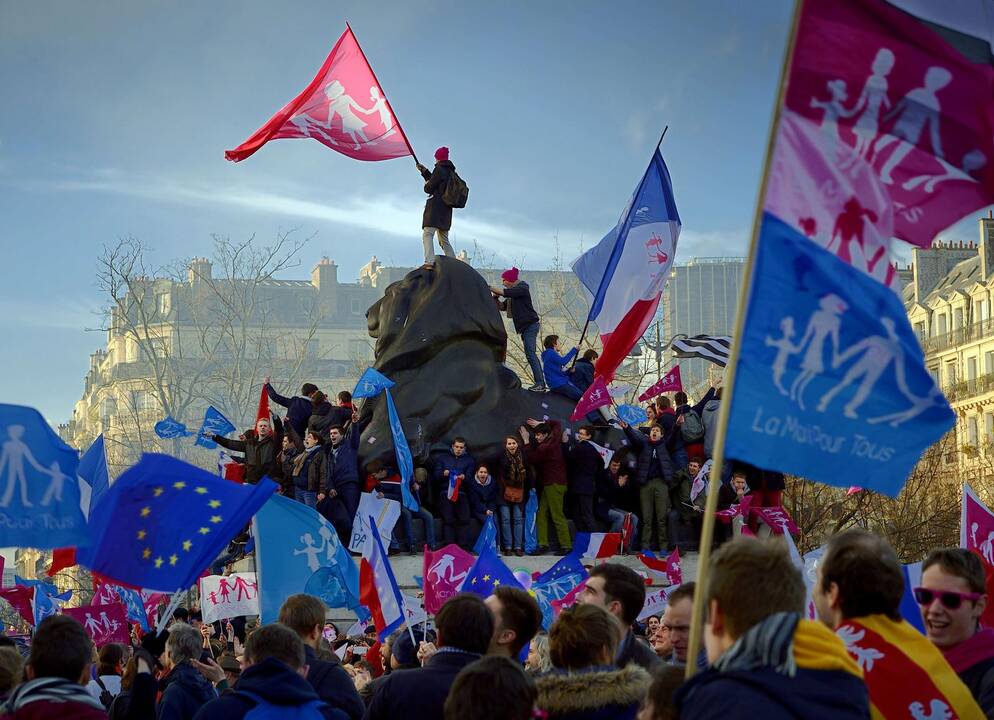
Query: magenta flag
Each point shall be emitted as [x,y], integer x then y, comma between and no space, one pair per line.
[343,108]
[596,396]
[20,597]
[670,382]
[777,519]
[444,570]
[104,623]
[976,533]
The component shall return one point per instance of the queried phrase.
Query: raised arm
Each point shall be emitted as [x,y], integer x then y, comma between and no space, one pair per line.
[276,397]
[231,444]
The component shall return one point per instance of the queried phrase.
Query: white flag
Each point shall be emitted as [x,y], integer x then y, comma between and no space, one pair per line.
[228,596]
[386,512]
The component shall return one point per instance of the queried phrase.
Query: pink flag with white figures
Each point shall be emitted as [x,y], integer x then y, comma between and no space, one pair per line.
[700,480]
[777,519]
[103,623]
[443,572]
[976,533]
[596,396]
[104,593]
[670,382]
[343,108]
[20,598]
[887,131]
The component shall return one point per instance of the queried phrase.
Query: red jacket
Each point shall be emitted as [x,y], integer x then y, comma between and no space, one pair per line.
[548,458]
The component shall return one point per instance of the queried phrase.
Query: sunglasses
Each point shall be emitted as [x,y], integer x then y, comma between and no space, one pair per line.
[951,600]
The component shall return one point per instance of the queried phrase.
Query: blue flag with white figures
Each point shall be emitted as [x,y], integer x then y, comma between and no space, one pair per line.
[488,536]
[93,469]
[133,603]
[47,598]
[831,376]
[298,551]
[371,384]
[169,428]
[556,583]
[39,491]
[214,424]
[632,414]
[164,521]
[488,573]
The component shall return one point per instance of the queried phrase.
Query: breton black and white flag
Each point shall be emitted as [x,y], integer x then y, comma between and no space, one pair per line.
[708,347]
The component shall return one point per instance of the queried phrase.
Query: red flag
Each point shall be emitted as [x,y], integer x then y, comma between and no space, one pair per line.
[670,382]
[104,623]
[263,412]
[596,396]
[62,558]
[20,598]
[343,108]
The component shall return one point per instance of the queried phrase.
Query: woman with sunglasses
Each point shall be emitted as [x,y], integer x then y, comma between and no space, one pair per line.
[953,599]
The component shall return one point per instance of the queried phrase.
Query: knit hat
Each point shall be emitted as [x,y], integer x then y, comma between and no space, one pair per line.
[404,651]
[510,275]
[441,154]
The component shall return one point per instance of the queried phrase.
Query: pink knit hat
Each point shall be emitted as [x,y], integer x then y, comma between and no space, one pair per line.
[510,275]
[441,154]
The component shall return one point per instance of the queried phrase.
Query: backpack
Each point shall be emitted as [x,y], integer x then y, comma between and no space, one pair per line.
[692,428]
[264,710]
[456,191]
[105,696]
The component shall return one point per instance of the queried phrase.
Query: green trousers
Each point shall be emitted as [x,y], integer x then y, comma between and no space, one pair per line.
[551,504]
[654,498]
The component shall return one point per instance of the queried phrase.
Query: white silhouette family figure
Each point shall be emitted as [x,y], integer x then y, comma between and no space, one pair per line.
[13,454]
[914,114]
[102,626]
[873,356]
[345,107]
[328,546]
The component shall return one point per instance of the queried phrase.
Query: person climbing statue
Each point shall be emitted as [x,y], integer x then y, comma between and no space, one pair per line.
[438,215]
[517,302]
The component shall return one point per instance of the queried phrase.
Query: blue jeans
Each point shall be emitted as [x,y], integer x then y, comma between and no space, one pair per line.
[569,390]
[529,338]
[310,499]
[426,518]
[680,459]
[618,521]
[512,514]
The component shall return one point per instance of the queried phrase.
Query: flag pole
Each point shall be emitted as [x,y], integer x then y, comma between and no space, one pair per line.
[724,412]
[382,93]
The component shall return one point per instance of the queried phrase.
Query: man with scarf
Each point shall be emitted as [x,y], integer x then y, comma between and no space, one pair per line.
[858,593]
[766,660]
[953,597]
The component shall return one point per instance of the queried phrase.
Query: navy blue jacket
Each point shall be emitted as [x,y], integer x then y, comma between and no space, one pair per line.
[462,465]
[298,409]
[333,685]
[272,681]
[418,694]
[583,374]
[764,693]
[584,465]
[645,449]
[482,497]
[184,691]
[343,461]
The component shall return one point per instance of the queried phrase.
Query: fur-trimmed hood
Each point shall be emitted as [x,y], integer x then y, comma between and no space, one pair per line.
[584,693]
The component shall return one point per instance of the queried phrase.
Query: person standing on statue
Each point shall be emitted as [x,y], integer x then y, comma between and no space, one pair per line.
[437,216]
[517,302]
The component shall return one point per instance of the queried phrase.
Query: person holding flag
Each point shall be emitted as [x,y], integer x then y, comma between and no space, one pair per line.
[437,217]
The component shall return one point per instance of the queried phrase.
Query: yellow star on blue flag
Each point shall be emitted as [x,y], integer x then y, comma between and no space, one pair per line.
[488,573]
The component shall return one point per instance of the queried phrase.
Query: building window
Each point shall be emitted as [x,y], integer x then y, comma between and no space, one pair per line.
[359,349]
[940,325]
[971,369]
[355,306]
[951,373]
[313,349]
[989,363]
[988,427]
[971,425]
[163,304]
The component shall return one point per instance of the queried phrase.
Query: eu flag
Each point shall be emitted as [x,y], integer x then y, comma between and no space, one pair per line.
[163,521]
[487,574]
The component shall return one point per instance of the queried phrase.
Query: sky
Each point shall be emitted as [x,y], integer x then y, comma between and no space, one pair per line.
[116,115]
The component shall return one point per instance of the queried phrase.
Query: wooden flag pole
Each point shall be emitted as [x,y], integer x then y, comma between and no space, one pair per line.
[718,455]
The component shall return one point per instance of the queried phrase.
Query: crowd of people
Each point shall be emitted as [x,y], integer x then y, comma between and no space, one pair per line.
[489,659]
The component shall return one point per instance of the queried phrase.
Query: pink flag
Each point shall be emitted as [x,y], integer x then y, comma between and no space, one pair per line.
[976,533]
[569,599]
[670,382]
[777,519]
[443,571]
[343,108]
[668,566]
[596,396]
[104,593]
[20,598]
[104,623]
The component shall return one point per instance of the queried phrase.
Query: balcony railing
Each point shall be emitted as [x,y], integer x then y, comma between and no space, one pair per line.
[966,389]
[959,336]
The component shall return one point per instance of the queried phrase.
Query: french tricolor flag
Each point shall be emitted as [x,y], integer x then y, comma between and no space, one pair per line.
[378,589]
[626,271]
[453,490]
[668,567]
[591,546]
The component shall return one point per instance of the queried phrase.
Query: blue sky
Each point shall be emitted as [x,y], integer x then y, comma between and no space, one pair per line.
[116,116]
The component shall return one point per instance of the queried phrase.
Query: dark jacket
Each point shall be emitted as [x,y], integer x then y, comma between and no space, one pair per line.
[505,478]
[671,431]
[547,457]
[482,497]
[333,685]
[635,651]
[272,681]
[298,409]
[462,465]
[184,690]
[335,415]
[419,694]
[979,679]
[583,374]
[598,693]
[437,214]
[608,493]
[645,449]
[138,703]
[585,463]
[312,472]
[518,304]
[261,458]
[342,467]
[680,491]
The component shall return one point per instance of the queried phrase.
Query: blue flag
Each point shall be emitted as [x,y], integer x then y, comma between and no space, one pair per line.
[830,375]
[39,492]
[170,428]
[214,424]
[298,551]
[488,573]
[488,537]
[567,565]
[163,521]
[371,384]
[531,522]
[135,606]
[555,584]
[909,608]
[632,414]
[93,469]
[47,598]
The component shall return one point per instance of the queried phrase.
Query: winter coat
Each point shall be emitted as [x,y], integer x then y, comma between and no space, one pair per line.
[49,697]
[184,690]
[505,477]
[979,679]
[583,374]
[607,494]
[547,457]
[299,409]
[138,703]
[671,431]
[597,693]
[585,463]
[419,694]
[482,497]
[709,417]
[552,367]
[462,465]
[637,652]
[645,449]
[274,682]
[335,415]
[342,467]
[311,476]
[518,304]
[261,457]
[437,214]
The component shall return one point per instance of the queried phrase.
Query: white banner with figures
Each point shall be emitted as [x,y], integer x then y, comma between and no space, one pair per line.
[228,596]
[655,602]
[414,611]
[385,513]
